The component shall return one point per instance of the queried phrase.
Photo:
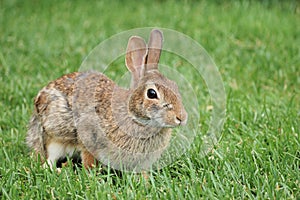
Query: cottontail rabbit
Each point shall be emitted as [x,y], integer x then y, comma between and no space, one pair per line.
[87,112]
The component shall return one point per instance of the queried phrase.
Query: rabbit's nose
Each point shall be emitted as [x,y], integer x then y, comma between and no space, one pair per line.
[181,120]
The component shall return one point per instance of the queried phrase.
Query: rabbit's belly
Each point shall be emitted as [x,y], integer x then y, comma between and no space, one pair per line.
[136,162]
[132,153]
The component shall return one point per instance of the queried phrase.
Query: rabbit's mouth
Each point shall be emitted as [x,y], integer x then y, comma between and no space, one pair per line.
[175,123]
[171,118]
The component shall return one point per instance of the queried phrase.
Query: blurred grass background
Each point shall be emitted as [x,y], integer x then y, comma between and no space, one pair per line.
[255,44]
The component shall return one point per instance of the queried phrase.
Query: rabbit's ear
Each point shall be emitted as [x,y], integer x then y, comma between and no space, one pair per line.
[154,49]
[135,60]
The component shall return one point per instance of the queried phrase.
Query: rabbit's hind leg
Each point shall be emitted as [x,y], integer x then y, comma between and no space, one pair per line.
[88,160]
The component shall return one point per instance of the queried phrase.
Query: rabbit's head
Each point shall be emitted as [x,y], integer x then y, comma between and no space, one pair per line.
[154,100]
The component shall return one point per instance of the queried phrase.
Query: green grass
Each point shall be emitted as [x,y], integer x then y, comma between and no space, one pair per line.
[255,44]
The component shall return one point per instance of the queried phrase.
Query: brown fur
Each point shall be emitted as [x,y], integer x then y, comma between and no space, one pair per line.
[88,112]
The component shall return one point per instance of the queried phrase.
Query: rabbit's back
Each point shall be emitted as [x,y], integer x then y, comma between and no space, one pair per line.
[53,117]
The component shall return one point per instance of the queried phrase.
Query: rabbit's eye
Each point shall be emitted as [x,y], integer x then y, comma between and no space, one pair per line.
[151,94]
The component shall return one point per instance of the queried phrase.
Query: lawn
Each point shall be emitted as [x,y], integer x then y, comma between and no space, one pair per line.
[256,46]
